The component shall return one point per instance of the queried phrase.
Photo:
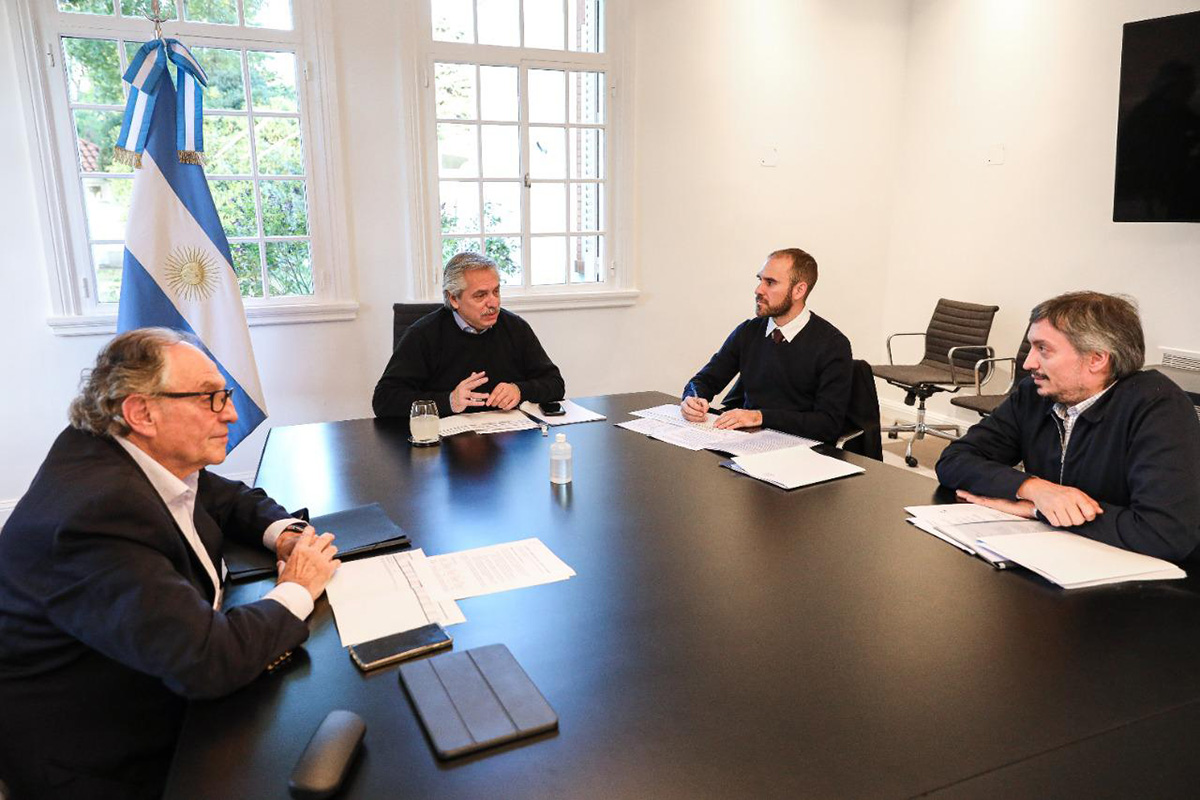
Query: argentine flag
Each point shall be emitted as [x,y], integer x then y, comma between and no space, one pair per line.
[178,271]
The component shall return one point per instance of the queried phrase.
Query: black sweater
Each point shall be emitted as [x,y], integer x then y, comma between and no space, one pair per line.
[435,355]
[801,386]
[1136,452]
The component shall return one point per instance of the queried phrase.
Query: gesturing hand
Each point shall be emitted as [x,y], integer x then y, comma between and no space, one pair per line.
[464,395]
[505,396]
[1062,506]
[736,418]
[694,409]
[311,563]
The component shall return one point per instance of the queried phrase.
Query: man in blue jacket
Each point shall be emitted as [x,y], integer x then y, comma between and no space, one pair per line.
[1110,452]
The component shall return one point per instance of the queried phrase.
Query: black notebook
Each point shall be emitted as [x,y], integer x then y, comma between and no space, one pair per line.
[475,699]
[362,531]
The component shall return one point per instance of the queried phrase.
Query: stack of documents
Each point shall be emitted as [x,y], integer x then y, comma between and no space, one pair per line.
[494,568]
[574,413]
[485,422]
[666,423]
[1066,559]
[793,467]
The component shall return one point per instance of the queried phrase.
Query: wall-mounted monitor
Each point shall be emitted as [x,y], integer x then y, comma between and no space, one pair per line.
[1158,124]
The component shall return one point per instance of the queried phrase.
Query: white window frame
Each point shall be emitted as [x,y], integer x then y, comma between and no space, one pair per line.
[74,308]
[619,287]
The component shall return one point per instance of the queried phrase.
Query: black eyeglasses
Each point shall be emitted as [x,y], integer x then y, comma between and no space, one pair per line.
[216,400]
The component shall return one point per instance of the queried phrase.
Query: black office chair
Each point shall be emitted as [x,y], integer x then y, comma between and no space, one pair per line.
[405,314]
[984,404]
[956,338]
[861,433]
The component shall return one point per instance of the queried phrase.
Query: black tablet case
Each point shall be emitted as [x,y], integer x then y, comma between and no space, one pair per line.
[475,699]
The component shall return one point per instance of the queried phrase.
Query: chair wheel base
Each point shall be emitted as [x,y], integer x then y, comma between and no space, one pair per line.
[912,462]
[893,435]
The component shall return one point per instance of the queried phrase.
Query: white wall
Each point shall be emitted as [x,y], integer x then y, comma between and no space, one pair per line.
[1041,78]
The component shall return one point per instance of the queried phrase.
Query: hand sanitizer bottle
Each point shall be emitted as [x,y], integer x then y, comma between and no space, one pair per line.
[560,459]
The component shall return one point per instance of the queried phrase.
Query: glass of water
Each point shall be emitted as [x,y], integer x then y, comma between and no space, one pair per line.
[423,423]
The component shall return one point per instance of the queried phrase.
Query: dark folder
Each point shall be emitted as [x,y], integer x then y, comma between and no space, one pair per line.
[475,699]
[361,531]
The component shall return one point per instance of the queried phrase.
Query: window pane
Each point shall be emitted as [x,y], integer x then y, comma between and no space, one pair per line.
[289,268]
[587,260]
[587,98]
[547,152]
[279,146]
[548,208]
[284,208]
[248,268]
[459,206]
[272,80]
[544,24]
[93,71]
[501,152]
[587,209]
[226,89]
[220,11]
[587,153]
[548,260]
[454,91]
[139,8]
[96,134]
[585,23]
[457,151]
[502,207]
[235,206]
[499,22]
[86,6]
[107,259]
[453,246]
[453,21]
[269,14]
[226,145]
[506,252]
[107,204]
[547,95]
[498,86]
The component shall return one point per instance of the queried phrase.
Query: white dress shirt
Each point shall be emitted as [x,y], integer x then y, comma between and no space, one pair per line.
[180,499]
[790,330]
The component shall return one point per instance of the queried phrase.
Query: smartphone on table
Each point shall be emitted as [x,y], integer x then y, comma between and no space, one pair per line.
[399,646]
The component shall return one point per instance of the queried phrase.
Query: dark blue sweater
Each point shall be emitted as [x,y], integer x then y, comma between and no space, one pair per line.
[801,386]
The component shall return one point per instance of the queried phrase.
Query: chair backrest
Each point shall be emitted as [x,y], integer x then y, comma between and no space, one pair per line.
[958,324]
[405,314]
[863,414]
[1019,371]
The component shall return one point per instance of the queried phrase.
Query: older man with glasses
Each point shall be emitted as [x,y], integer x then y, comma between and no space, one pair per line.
[111,577]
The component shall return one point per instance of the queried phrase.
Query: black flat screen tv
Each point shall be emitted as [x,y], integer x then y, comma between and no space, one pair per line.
[1158,123]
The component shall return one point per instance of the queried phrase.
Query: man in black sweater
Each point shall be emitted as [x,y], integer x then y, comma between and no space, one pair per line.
[794,367]
[470,354]
[1110,452]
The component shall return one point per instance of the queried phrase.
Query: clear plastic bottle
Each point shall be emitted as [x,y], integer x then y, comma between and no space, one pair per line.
[560,459]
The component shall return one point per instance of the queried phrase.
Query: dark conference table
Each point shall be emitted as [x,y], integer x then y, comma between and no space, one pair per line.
[722,638]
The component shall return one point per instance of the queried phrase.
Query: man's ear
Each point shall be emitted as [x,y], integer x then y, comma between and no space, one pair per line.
[453,301]
[135,409]
[799,291]
[1098,362]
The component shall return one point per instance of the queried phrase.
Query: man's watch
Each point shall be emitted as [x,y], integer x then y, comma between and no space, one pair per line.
[294,527]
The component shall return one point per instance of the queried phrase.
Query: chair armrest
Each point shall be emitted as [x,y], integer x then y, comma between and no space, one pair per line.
[993,362]
[987,349]
[893,336]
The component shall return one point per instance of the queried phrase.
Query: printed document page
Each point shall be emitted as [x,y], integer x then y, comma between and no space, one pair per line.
[494,568]
[485,422]
[1074,561]
[379,596]
[575,413]
[763,440]
[966,523]
[794,467]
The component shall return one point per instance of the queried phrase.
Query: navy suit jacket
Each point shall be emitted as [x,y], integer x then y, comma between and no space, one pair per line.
[107,624]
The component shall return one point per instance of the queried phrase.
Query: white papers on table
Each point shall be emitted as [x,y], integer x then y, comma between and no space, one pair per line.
[965,523]
[1074,561]
[666,423]
[374,597]
[485,422]
[794,467]
[494,568]
[763,440]
[574,413]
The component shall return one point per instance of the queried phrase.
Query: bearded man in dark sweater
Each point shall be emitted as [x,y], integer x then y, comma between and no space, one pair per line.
[794,367]
[470,354]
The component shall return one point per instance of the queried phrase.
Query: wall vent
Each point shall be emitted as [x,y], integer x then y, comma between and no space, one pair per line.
[1180,359]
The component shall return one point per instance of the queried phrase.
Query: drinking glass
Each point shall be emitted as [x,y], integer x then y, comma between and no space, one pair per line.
[423,423]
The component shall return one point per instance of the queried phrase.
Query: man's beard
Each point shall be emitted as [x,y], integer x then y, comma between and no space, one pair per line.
[765,310]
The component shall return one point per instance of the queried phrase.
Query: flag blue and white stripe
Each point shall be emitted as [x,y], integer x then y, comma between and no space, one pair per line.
[146,75]
[178,271]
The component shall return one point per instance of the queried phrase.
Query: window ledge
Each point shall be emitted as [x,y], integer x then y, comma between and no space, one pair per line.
[291,313]
[612,298]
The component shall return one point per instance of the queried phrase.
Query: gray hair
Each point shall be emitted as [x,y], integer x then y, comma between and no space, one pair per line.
[132,363]
[1098,323]
[454,278]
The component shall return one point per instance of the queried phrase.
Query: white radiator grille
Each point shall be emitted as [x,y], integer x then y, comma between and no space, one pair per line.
[1180,359]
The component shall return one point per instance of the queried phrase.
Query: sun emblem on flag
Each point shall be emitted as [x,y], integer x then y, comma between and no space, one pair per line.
[191,273]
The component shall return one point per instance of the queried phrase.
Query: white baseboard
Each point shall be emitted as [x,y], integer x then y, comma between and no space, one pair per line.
[895,409]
